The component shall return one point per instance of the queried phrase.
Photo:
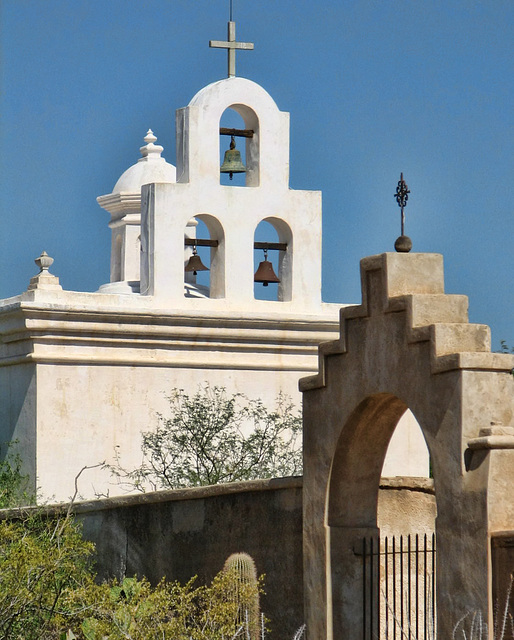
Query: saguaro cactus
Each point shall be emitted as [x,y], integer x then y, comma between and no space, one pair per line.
[245,592]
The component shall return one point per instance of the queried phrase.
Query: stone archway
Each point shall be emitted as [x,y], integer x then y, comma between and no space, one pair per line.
[407,345]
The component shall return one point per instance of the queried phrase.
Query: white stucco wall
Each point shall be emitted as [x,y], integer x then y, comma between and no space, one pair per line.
[85,413]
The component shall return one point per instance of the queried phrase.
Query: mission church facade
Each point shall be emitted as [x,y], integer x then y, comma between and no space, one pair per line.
[82,374]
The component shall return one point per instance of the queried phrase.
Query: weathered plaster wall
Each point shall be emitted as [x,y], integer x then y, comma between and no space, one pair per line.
[18,413]
[179,534]
[407,346]
[407,453]
[189,532]
[406,506]
[88,413]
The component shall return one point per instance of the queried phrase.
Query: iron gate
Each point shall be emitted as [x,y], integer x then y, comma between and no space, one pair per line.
[398,594]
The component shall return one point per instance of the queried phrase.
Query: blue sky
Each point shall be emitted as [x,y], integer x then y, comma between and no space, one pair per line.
[373,88]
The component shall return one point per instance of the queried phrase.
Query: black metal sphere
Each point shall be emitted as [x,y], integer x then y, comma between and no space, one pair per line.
[403,244]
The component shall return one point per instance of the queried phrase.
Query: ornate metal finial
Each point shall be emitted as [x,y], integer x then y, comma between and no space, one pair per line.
[403,244]
[231,45]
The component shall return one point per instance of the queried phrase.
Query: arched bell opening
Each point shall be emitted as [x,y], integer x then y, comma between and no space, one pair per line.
[239,147]
[204,258]
[380,531]
[273,260]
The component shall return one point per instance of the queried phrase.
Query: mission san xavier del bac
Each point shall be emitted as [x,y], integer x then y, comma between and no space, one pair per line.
[382,383]
[84,373]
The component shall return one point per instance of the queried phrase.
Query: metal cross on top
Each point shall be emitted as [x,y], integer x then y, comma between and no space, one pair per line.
[231,45]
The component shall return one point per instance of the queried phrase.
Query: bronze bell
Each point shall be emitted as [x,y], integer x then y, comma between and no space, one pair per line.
[265,273]
[232,162]
[195,263]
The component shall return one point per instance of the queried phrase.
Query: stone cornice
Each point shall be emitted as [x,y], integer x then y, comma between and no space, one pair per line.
[52,333]
[493,437]
[120,204]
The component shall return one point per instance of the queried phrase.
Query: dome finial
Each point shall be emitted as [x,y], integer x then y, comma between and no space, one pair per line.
[150,149]
[150,137]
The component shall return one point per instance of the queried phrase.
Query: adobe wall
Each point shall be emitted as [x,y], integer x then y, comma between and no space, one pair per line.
[408,345]
[189,532]
[182,533]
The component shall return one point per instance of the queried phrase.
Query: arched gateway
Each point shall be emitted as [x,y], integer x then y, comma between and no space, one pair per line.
[408,345]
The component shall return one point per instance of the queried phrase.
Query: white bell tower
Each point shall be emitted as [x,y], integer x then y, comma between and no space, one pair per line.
[232,213]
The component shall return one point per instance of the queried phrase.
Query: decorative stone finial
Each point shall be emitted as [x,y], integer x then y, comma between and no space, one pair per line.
[403,244]
[44,262]
[150,137]
[44,279]
[151,150]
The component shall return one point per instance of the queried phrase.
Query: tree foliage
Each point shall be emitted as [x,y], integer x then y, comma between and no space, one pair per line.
[42,562]
[47,582]
[504,347]
[212,437]
[48,589]
[13,482]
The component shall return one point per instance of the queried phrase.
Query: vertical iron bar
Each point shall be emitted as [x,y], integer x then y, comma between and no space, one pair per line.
[371,581]
[377,586]
[425,586]
[386,589]
[433,581]
[363,588]
[409,582]
[401,584]
[417,587]
[394,587]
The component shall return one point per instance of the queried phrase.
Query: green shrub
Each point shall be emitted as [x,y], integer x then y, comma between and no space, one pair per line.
[43,561]
[135,609]
[13,483]
[47,590]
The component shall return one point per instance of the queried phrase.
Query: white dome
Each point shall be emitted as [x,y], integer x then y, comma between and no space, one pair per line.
[150,168]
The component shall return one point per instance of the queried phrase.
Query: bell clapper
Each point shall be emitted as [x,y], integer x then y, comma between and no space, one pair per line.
[232,146]
[265,283]
[195,253]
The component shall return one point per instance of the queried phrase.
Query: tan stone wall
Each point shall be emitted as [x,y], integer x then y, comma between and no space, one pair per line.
[406,506]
